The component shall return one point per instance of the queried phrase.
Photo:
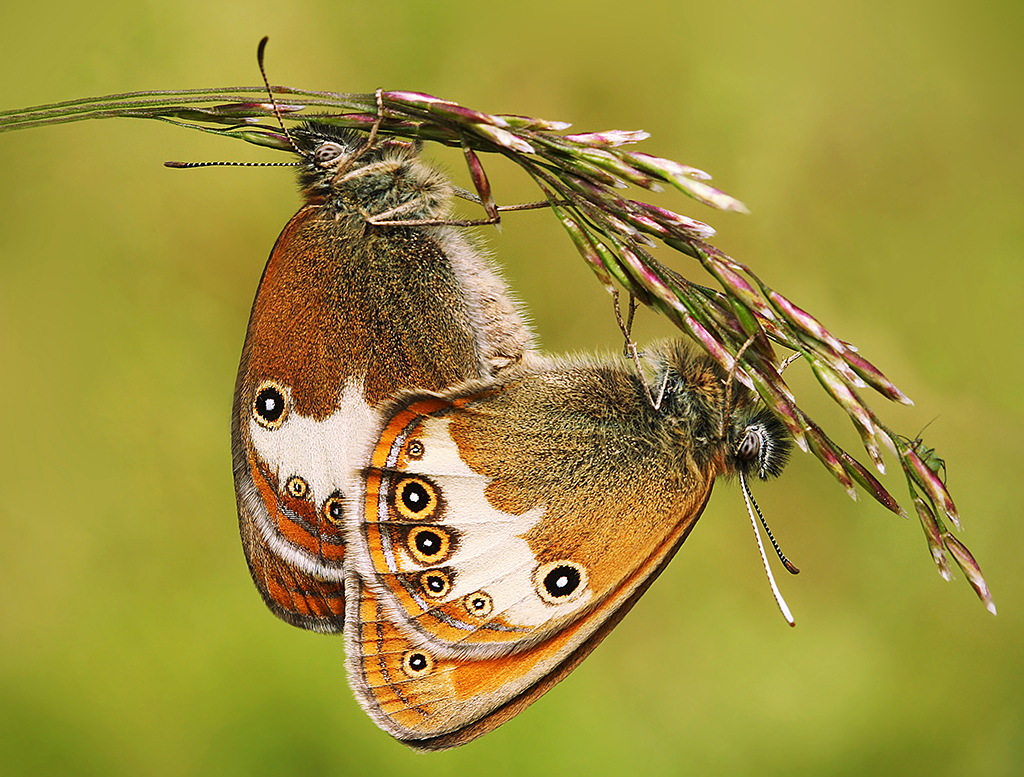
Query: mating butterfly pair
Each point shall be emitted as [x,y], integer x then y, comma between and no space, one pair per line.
[474,516]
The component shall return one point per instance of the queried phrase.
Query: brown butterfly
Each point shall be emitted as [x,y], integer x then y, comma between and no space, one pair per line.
[349,311]
[507,525]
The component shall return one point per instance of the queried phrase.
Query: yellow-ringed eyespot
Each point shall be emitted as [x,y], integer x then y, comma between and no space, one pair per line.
[479,604]
[414,449]
[415,498]
[416,663]
[558,582]
[270,404]
[334,509]
[296,487]
[428,544]
[435,583]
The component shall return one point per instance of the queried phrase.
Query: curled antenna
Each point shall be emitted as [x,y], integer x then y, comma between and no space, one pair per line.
[277,112]
[751,508]
[260,51]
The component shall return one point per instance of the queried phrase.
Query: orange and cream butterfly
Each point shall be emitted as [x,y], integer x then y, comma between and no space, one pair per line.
[506,526]
[349,311]
[475,517]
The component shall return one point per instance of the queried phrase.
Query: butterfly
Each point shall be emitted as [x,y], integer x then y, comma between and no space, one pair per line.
[350,310]
[505,526]
[474,517]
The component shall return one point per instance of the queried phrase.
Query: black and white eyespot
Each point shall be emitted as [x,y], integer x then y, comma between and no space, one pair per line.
[558,582]
[436,583]
[270,405]
[296,487]
[764,446]
[479,604]
[416,663]
[326,153]
[429,545]
[334,509]
[416,499]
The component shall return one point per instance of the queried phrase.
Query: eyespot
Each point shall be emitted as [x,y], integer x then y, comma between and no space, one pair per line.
[558,582]
[334,509]
[428,544]
[326,153]
[479,604]
[436,583]
[415,498]
[416,663]
[270,406]
[414,450]
[296,487]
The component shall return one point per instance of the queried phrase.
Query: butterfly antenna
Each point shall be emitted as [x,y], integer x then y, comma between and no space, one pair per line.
[260,51]
[277,112]
[751,507]
[727,405]
[789,565]
[185,165]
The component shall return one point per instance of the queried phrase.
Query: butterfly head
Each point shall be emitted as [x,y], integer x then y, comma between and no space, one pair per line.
[760,444]
[344,173]
[727,425]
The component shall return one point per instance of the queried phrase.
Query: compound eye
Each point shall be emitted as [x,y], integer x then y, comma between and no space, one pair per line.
[764,448]
[750,448]
[326,153]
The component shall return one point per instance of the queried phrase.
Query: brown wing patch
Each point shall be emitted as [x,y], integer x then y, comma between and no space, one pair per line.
[339,300]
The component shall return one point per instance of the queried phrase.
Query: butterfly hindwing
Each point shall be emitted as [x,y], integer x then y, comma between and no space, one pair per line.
[496,516]
[507,526]
[430,702]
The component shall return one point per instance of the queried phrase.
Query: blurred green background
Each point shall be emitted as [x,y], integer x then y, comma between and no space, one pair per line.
[879,147]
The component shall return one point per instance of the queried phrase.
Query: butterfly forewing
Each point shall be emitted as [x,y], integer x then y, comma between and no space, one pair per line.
[347,314]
